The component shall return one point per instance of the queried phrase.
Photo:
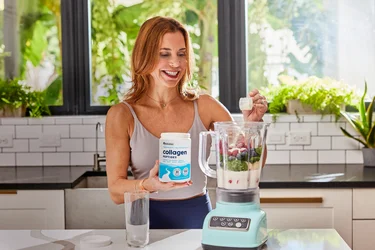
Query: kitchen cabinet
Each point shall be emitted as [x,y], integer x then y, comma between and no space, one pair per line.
[309,208]
[32,209]
[363,218]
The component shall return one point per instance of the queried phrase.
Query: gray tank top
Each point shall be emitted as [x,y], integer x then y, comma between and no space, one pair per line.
[144,150]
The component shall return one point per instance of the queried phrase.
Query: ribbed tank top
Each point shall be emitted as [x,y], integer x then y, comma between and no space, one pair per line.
[144,150]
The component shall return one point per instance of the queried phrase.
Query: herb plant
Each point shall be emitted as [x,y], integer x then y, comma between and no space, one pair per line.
[14,95]
[324,95]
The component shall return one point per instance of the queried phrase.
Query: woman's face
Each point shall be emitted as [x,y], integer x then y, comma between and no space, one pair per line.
[172,60]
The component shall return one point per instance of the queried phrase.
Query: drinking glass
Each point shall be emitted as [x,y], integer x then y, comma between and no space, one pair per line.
[137,218]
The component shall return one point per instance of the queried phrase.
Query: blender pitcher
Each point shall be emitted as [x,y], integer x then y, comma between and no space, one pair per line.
[239,154]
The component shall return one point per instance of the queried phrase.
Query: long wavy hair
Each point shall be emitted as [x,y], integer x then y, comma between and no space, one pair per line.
[146,55]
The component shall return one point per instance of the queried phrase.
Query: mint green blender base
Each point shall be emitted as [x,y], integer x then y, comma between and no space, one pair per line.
[227,238]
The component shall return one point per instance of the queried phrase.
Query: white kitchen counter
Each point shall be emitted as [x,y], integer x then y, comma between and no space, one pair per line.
[293,239]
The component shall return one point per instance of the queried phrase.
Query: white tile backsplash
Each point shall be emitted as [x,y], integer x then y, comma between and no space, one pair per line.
[312,127]
[61,159]
[340,142]
[28,131]
[328,144]
[321,142]
[354,157]
[82,131]
[19,145]
[71,145]
[81,159]
[43,120]
[303,157]
[29,159]
[330,128]
[63,130]
[331,156]
[7,129]
[35,146]
[7,159]
[278,157]
[14,121]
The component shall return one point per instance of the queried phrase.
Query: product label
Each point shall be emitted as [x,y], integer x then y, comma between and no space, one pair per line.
[174,160]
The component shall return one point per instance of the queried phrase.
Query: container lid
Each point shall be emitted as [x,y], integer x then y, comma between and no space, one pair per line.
[93,241]
[173,135]
[246,103]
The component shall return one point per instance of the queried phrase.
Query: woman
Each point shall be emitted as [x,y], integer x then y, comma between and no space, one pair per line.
[162,63]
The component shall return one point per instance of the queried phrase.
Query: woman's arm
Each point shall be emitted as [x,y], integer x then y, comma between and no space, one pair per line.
[117,128]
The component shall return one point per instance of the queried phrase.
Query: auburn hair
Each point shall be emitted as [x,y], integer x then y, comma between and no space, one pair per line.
[145,56]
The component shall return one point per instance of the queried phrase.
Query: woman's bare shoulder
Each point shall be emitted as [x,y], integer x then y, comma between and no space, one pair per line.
[119,116]
[211,110]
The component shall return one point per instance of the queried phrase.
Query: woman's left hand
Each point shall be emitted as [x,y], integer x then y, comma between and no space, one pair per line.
[260,107]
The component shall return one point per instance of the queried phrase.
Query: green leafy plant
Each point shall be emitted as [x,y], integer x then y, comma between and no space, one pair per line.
[14,95]
[323,95]
[364,124]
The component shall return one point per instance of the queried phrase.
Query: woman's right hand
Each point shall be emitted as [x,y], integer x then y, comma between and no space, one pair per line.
[152,183]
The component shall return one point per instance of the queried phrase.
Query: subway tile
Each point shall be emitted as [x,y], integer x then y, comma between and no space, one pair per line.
[35,146]
[271,147]
[29,159]
[89,145]
[311,126]
[317,118]
[81,158]
[354,157]
[7,129]
[14,121]
[63,130]
[279,127]
[289,147]
[68,120]
[7,159]
[42,120]
[94,120]
[319,142]
[71,145]
[343,142]
[304,157]
[330,128]
[19,145]
[286,118]
[277,157]
[83,131]
[31,131]
[58,159]
[331,156]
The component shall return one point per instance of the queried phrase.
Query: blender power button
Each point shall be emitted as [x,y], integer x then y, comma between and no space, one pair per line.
[238,224]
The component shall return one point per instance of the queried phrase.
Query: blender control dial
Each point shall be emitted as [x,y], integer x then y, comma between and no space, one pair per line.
[229,223]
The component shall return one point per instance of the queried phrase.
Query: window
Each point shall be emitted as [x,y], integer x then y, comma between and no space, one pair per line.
[114,27]
[304,38]
[30,45]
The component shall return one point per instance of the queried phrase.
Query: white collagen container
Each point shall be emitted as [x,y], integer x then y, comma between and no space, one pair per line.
[174,157]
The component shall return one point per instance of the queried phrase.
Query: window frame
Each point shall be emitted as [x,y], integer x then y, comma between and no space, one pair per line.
[76,61]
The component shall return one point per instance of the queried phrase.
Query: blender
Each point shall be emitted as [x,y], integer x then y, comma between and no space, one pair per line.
[237,222]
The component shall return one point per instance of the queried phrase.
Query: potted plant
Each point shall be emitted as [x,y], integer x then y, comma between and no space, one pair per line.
[313,95]
[365,126]
[16,99]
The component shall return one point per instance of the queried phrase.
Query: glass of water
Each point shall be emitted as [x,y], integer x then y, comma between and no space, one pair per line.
[137,218]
